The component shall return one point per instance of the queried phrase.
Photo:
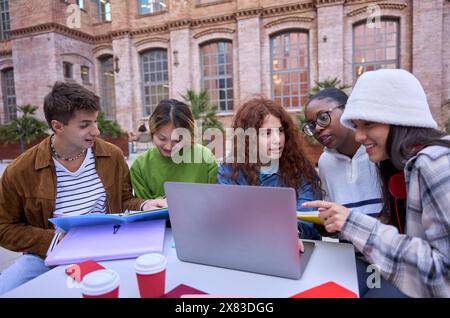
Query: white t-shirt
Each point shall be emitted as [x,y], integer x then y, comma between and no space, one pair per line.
[352,182]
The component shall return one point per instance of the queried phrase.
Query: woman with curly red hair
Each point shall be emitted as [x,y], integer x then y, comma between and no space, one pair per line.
[280,161]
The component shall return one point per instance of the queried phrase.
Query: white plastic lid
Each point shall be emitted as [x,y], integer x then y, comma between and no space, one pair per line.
[100,282]
[150,263]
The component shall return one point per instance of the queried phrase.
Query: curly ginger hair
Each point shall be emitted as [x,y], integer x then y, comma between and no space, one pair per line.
[294,167]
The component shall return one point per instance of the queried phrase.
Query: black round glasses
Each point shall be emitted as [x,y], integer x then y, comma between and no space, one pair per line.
[323,119]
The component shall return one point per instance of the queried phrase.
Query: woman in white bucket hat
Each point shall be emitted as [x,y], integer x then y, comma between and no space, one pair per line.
[410,243]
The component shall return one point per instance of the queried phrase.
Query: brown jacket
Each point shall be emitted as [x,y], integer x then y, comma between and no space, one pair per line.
[28,194]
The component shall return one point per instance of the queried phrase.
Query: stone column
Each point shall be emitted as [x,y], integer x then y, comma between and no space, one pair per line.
[330,41]
[179,59]
[427,52]
[35,69]
[249,57]
[126,108]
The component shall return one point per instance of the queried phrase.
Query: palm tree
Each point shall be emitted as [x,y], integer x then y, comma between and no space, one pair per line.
[328,83]
[24,128]
[108,127]
[202,110]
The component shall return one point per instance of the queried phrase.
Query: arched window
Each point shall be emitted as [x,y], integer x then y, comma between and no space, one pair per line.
[107,86]
[81,4]
[67,70]
[155,79]
[85,74]
[9,94]
[104,10]
[151,6]
[216,61]
[4,19]
[375,46]
[290,68]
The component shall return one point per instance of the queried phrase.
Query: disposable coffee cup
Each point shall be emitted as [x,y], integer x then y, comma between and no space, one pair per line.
[151,275]
[101,284]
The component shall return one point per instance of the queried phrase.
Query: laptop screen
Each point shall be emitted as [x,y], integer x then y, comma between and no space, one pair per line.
[238,227]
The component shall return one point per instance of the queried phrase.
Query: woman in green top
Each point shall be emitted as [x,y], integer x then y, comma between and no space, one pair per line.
[171,120]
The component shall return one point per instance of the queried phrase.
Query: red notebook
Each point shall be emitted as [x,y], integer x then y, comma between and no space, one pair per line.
[181,290]
[327,290]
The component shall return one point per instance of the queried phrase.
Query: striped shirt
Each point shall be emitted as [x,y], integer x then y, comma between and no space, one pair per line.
[417,262]
[79,192]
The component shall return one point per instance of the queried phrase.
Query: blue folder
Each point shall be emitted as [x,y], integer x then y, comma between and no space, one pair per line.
[67,222]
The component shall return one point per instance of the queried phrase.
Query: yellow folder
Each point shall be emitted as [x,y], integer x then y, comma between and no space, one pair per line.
[312,217]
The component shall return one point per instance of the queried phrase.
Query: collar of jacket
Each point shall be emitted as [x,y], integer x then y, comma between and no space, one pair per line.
[44,158]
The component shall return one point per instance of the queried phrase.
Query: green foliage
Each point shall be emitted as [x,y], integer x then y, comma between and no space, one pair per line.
[108,127]
[328,83]
[24,128]
[202,109]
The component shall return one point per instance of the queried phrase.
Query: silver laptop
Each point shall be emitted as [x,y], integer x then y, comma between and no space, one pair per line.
[245,228]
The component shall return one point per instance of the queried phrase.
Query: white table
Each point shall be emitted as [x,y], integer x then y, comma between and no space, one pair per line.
[329,262]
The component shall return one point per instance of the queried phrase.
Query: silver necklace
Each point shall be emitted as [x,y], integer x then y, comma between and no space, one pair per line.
[55,154]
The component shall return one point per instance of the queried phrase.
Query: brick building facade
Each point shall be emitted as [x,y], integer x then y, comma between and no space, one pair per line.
[132,53]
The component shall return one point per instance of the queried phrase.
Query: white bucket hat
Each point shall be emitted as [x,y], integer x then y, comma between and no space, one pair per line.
[388,96]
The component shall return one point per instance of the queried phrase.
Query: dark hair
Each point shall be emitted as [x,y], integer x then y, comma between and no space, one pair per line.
[142,128]
[388,213]
[335,94]
[171,111]
[402,144]
[65,98]
[294,167]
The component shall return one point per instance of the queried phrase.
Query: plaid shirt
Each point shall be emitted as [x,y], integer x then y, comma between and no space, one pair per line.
[418,262]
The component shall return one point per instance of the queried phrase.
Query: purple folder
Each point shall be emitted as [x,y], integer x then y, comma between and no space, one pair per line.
[108,242]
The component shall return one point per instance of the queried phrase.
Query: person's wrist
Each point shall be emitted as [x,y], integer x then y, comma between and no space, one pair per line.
[143,205]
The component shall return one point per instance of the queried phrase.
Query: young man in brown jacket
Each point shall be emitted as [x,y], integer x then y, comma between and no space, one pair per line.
[70,173]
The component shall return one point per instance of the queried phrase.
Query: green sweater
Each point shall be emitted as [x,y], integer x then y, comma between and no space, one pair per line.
[150,170]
